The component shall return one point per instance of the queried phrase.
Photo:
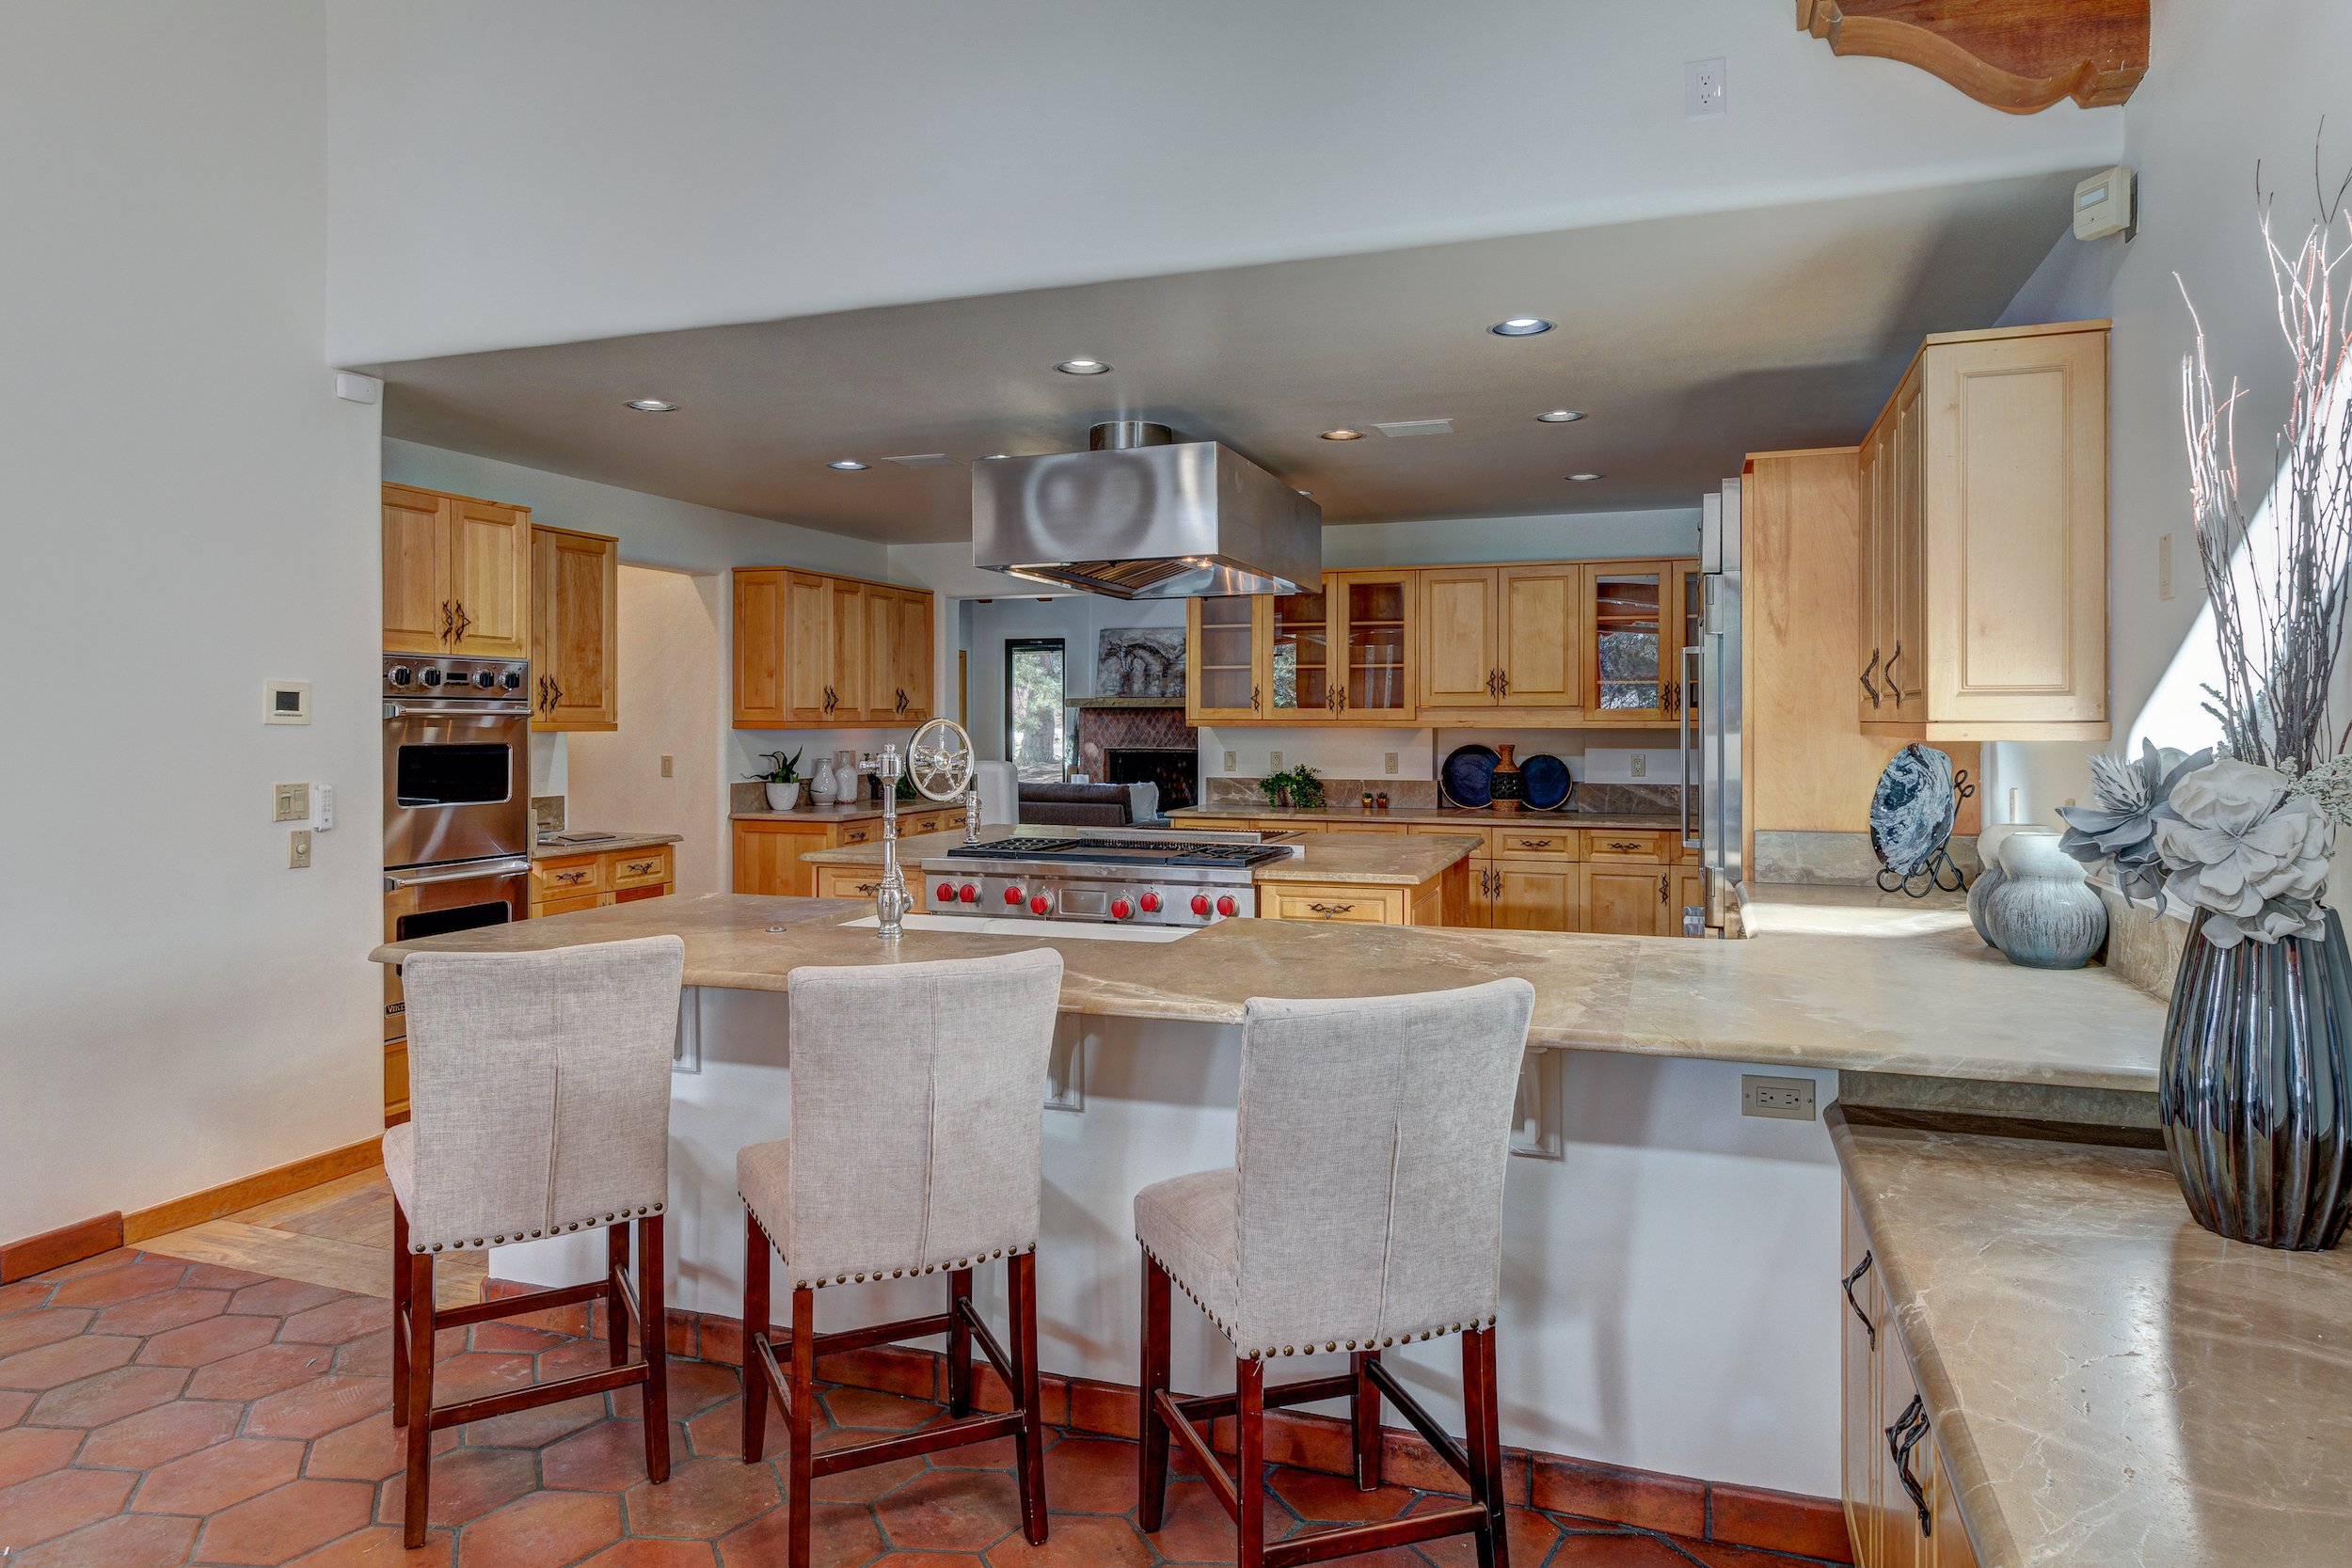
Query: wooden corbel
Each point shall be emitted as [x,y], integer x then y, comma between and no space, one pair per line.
[2019,55]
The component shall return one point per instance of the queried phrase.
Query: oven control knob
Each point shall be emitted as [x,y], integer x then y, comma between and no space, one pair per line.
[512,680]
[1013,896]
[1227,906]
[486,679]
[1200,903]
[399,674]
[969,894]
[1149,903]
[946,893]
[431,677]
[1121,909]
[1041,905]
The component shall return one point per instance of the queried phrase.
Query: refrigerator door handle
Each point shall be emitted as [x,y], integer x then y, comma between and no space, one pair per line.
[1685,732]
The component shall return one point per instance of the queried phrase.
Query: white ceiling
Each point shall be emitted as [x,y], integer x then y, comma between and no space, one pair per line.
[1689,342]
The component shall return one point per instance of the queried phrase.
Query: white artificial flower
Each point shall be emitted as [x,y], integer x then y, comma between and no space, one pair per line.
[2246,852]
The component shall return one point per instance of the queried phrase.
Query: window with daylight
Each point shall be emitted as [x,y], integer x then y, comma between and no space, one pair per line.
[1036,738]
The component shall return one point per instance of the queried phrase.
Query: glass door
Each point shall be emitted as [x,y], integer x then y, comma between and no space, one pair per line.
[1224,680]
[1300,686]
[1630,641]
[1372,613]
[1036,741]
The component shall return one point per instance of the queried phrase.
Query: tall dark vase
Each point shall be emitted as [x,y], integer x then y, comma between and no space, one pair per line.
[2255,1089]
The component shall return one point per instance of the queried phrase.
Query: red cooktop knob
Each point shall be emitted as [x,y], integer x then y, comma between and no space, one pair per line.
[1040,904]
[970,894]
[1200,903]
[1149,903]
[1013,896]
[1227,906]
[1121,909]
[947,892]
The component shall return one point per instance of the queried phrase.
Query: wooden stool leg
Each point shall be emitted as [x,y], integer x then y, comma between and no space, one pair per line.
[755,1394]
[1151,1452]
[400,1315]
[615,1314]
[801,1419]
[1249,1469]
[419,1327]
[1029,1441]
[652,1298]
[1366,1414]
[959,1343]
[1479,1399]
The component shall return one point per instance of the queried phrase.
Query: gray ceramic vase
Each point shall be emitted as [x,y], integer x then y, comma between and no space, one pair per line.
[2042,914]
[1989,841]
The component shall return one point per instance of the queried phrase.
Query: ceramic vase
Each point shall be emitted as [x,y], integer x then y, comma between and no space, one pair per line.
[1989,841]
[2253,1088]
[784,796]
[821,787]
[1506,785]
[2043,914]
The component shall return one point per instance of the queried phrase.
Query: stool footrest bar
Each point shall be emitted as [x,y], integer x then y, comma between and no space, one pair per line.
[1211,1467]
[1348,1540]
[1217,1406]
[538,1394]
[508,1306]
[986,1339]
[951,1435]
[1438,1438]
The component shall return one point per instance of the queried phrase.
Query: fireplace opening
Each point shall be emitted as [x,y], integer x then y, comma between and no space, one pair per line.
[1170,767]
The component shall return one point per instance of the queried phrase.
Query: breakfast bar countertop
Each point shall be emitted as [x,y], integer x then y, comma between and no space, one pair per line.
[1384,860]
[1836,978]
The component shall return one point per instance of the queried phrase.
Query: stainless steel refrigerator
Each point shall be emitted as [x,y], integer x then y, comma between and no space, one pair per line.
[1714,819]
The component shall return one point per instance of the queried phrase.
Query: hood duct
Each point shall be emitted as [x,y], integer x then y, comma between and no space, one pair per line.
[1142,515]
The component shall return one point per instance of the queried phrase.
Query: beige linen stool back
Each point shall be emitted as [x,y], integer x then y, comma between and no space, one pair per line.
[919,1095]
[1364,1209]
[539,1104]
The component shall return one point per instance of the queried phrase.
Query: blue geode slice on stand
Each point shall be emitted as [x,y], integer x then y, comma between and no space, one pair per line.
[1913,811]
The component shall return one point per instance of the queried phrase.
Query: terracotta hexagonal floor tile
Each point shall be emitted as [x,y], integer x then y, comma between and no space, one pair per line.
[322,1405]
[165,1309]
[997,1453]
[1194,1528]
[29,1452]
[368,1450]
[61,1500]
[719,1429]
[14,1402]
[475,1375]
[694,1388]
[703,1498]
[607,1457]
[522,1339]
[125,1540]
[278,1298]
[466,1484]
[259,1372]
[536,1428]
[541,1530]
[131,1279]
[296,1518]
[1615,1549]
[1531,1534]
[370,1354]
[1090,1475]
[212,1478]
[1077,1541]
[936,1559]
[839,1536]
[955,1510]
[1333,1499]
[217,1277]
[161,1434]
[108,1397]
[24,1295]
[379,1546]
[201,1343]
[29,1330]
[337,1321]
[865,1485]
[865,1407]
[98,1262]
[47,1365]
[656,1553]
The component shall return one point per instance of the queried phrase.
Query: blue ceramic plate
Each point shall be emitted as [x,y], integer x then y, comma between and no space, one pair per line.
[1467,779]
[1913,813]
[1549,786]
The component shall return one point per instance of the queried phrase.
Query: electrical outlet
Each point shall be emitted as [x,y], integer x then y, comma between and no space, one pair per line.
[1789,1098]
[2012,804]
[1705,83]
[2164,566]
[290,802]
[1388,762]
[1232,761]
[1640,765]
[1274,762]
[668,765]
[299,849]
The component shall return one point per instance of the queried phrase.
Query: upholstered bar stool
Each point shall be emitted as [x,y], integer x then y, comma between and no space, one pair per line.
[919,1095]
[1364,1209]
[539,1104]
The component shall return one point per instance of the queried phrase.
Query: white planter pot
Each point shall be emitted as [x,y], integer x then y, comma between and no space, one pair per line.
[784,796]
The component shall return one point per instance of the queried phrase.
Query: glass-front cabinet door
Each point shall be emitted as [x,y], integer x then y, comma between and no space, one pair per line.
[1627,605]
[1299,685]
[1372,615]
[1687,588]
[1225,678]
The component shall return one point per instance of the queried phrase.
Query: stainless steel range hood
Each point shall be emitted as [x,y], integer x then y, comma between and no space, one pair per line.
[1143,515]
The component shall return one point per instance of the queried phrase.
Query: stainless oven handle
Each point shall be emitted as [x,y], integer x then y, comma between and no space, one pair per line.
[452,710]
[456,874]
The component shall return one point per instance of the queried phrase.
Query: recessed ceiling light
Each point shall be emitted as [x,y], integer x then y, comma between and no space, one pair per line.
[1305,491]
[1082,367]
[1520,326]
[1342,434]
[1584,479]
[995,456]
[651,405]
[1559,416]
[847,465]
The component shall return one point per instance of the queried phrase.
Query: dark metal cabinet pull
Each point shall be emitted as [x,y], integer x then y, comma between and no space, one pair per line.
[1505,676]
[449,618]
[1328,909]
[1661,887]
[1255,705]
[1893,686]
[1867,670]
[1868,1326]
[1901,1438]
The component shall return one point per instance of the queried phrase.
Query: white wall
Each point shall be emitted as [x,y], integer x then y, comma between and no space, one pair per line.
[708,160]
[1559,536]
[190,511]
[2221,95]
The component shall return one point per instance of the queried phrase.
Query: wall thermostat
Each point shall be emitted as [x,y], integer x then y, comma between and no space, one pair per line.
[2103,205]
[285,701]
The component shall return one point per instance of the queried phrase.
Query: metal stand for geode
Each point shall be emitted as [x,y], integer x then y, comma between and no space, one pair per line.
[1927,875]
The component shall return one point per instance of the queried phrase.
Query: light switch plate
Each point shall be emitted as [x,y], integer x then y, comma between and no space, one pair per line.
[1789,1098]
[1232,761]
[299,849]
[2164,566]
[1387,761]
[668,765]
[1274,761]
[290,802]
[1641,765]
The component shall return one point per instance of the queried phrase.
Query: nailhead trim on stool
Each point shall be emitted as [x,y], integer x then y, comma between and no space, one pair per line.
[1367,1342]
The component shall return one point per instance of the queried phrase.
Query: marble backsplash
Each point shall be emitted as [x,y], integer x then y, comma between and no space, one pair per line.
[546,814]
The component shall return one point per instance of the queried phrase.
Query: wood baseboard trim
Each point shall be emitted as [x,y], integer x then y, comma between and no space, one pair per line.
[1646,1499]
[217,1202]
[55,1249]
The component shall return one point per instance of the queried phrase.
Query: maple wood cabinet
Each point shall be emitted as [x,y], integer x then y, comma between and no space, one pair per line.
[456,575]
[812,650]
[574,651]
[1984,501]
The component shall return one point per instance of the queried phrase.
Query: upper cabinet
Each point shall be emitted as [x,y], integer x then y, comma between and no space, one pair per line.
[456,575]
[575,587]
[1372,644]
[1983,608]
[1503,639]
[816,651]
[1641,614]
[1226,659]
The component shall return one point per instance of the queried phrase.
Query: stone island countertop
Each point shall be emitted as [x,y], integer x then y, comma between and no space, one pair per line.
[1838,978]
[1384,860]
[2110,1386]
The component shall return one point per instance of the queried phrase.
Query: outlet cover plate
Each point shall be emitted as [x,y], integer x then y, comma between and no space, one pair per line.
[1789,1098]
[1703,89]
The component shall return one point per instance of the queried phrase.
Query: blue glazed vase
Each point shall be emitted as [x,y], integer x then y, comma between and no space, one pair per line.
[2042,914]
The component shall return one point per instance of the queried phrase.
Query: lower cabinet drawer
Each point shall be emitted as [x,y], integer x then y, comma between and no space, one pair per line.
[857,882]
[570,906]
[1541,843]
[570,876]
[1355,905]
[642,892]
[1604,844]
[861,833]
[643,866]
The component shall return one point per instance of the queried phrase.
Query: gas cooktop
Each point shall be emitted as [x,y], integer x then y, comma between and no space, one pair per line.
[1121,851]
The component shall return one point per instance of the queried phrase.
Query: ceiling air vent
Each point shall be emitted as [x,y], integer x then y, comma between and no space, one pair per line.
[1416,427]
[921,460]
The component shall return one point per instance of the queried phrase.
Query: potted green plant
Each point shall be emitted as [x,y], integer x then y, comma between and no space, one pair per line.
[783,779]
[1300,787]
